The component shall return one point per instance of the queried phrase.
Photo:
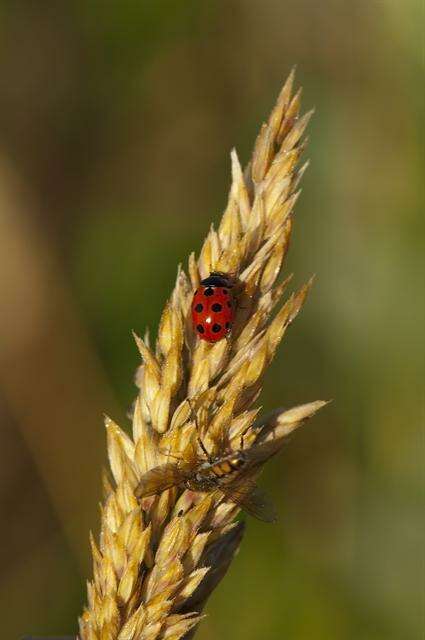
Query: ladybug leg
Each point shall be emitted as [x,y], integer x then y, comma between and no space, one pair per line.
[195,420]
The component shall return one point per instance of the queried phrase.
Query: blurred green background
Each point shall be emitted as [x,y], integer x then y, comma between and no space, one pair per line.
[116,122]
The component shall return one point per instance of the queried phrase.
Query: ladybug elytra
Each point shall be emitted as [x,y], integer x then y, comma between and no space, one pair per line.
[213,308]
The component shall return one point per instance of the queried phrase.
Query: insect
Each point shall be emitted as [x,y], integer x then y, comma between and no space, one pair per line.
[213,307]
[232,474]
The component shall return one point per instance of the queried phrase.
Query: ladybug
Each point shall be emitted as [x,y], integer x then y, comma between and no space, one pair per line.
[213,308]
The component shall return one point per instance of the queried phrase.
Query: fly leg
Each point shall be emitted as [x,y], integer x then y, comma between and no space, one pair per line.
[167,452]
[195,420]
[243,434]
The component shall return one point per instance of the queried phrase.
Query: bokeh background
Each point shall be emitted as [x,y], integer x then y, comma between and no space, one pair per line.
[116,122]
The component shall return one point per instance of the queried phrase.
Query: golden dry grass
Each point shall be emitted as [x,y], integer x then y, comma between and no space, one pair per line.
[159,559]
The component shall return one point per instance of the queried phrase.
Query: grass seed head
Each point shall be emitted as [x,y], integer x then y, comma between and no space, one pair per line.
[160,558]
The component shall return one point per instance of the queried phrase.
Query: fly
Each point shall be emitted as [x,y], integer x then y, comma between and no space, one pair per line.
[232,474]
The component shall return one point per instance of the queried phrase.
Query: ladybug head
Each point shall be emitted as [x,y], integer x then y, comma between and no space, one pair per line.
[217,279]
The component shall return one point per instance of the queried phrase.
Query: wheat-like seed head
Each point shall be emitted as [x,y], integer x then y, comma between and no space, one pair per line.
[159,559]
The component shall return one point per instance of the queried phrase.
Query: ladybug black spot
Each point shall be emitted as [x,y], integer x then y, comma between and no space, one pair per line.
[216,328]
[225,292]
[216,307]
[209,292]
[199,308]
[200,328]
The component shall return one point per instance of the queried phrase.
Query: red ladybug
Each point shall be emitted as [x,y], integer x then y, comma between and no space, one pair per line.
[213,308]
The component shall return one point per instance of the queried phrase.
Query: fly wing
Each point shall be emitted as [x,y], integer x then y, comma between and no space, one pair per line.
[259,453]
[160,478]
[247,495]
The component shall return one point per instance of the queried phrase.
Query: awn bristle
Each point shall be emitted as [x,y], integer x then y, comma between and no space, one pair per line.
[159,559]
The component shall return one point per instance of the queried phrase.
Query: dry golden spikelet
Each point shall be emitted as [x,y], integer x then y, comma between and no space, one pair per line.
[160,557]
